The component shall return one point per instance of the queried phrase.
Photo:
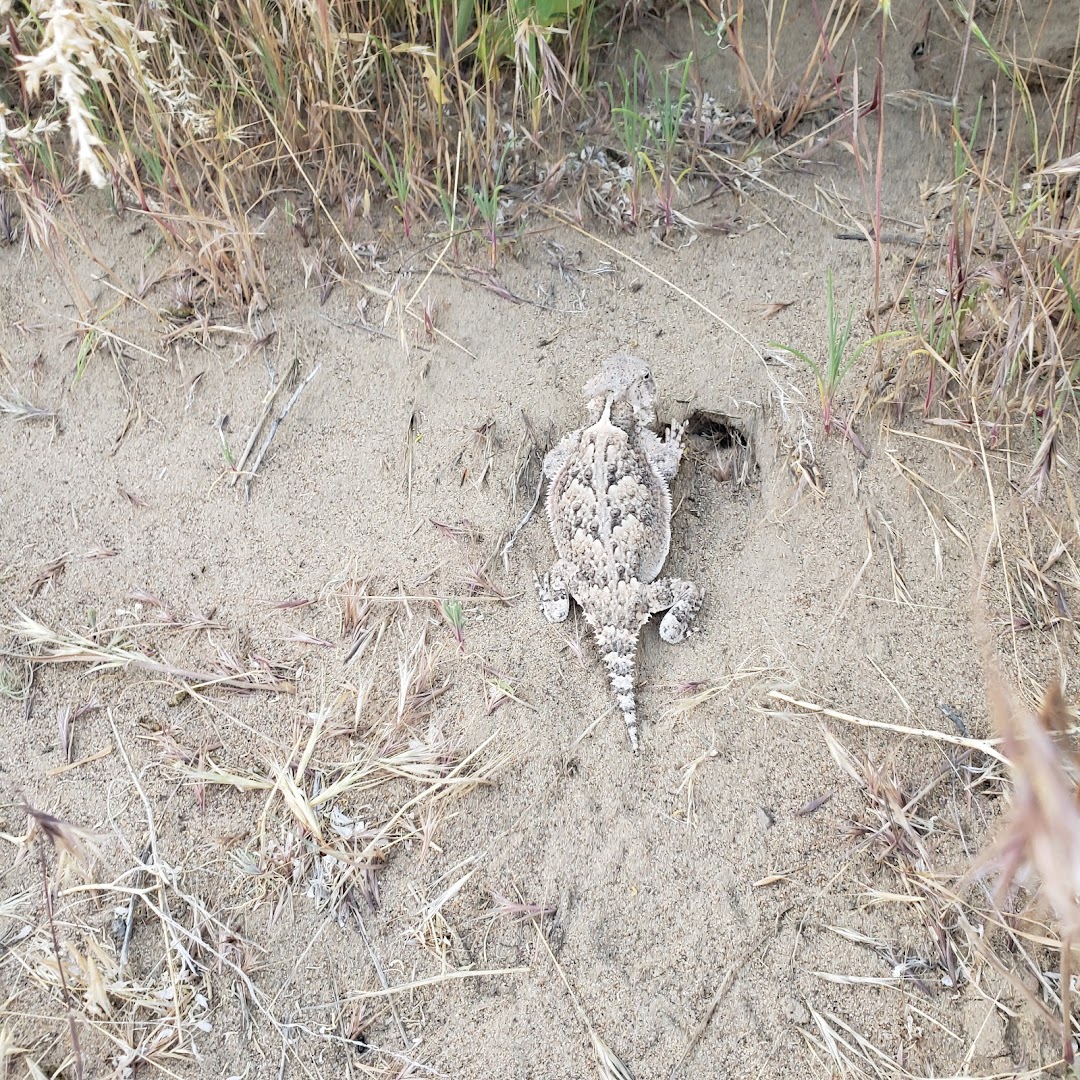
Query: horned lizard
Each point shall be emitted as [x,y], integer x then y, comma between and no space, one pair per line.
[609,508]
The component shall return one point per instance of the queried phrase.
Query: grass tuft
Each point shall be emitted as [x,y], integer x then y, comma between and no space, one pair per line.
[190,116]
[998,328]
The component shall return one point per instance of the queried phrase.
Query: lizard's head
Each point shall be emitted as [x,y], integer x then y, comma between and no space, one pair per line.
[627,382]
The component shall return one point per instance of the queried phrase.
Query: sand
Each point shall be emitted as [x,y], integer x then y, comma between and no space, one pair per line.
[721,872]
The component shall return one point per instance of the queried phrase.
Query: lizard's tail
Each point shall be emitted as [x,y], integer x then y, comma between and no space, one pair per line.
[619,648]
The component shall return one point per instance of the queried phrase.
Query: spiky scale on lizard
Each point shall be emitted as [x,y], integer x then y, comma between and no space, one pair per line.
[609,508]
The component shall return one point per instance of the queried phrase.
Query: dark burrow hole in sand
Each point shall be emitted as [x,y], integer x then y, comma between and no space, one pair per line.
[726,451]
[721,431]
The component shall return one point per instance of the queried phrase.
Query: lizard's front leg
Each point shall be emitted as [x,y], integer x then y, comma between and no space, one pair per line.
[665,454]
[553,591]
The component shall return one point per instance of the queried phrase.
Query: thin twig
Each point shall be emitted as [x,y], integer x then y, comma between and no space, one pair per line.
[985,746]
[250,474]
[382,980]
[521,524]
[73,1028]
[695,1038]
[434,980]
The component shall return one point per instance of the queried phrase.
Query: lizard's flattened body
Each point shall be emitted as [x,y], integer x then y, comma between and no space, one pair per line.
[609,508]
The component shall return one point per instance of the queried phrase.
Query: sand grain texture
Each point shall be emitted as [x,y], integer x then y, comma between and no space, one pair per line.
[668,876]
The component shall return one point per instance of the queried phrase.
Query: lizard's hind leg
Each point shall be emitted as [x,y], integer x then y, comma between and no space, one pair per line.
[553,591]
[681,600]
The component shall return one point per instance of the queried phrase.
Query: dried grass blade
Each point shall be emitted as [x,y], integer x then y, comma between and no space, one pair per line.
[59,647]
[608,1064]
[296,800]
[984,746]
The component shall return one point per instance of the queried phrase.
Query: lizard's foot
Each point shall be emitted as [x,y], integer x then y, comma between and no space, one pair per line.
[681,599]
[665,454]
[553,592]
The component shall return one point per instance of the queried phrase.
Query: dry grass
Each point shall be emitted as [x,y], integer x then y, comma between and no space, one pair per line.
[191,117]
[993,922]
[372,130]
[110,650]
[777,102]
[132,951]
[74,964]
[207,123]
[990,327]
[1037,852]
[998,319]
[437,122]
[20,409]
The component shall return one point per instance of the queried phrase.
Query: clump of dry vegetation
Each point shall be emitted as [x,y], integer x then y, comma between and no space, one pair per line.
[447,123]
[445,117]
[131,950]
[997,895]
[997,319]
[1036,857]
[201,119]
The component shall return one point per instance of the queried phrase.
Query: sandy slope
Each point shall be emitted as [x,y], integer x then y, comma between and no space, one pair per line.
[669,880]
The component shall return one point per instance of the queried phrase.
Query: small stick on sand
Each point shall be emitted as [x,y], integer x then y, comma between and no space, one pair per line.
[256,431]
[695,1038]
[610,1066]
[105,751]
[985,746]
[521,525]
[273,430]
[526,448]
[382,980]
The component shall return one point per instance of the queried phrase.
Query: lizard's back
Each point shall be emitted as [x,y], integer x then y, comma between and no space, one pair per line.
[609,511]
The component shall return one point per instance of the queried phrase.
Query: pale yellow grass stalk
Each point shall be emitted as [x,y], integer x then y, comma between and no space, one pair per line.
[79,37]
